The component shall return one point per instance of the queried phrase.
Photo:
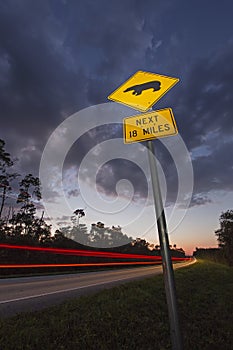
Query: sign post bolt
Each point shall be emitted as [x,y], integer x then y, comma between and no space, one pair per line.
[168,272]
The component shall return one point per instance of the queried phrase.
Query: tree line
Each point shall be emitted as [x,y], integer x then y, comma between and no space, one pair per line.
[20,198]
[224,252]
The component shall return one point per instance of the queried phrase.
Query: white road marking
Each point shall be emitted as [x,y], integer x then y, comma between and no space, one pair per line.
[61,291]
[76,288]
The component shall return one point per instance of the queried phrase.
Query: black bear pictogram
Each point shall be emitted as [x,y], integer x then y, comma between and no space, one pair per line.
[137,89]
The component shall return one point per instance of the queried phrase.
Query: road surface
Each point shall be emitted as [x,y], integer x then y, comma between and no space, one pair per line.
[35,293]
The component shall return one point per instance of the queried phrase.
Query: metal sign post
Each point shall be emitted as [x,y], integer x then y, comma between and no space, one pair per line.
[141,91]
[166,258]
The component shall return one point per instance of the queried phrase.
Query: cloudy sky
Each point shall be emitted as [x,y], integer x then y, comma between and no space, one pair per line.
[60,59]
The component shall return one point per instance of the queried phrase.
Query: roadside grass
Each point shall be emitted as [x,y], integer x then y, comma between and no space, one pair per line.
[133,316]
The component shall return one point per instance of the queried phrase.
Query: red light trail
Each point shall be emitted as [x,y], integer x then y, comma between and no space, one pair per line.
[81,252]
[82,265]
[87,253]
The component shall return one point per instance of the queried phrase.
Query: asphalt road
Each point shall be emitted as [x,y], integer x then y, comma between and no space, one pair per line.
[35,293]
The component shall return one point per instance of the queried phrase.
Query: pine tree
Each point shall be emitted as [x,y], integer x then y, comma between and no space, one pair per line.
[6,177]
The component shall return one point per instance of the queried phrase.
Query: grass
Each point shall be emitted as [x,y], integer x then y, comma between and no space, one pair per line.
[133,316]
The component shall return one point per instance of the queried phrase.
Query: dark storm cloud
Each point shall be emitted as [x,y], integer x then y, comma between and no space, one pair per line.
[35,69]
[111,40]
[119,169]
[111,172]
[215,171]
[37,85]
[73,193]
[89,140]
[57,57]
[200,199]
[204,115]
[205,100]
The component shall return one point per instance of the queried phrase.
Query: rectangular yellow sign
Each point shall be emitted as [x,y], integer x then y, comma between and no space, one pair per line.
[148,126]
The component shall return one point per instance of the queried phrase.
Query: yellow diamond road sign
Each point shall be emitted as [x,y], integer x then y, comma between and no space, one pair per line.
[142,90]
[148,126]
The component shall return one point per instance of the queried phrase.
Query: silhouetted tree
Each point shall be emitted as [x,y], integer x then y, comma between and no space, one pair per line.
[6,177]
[76,231]
[25,221]
[212,254]
[117,237]
[141,245]
[29,188]
[104,236]
[98,236]
[40,230]
[79,213]
[225,235]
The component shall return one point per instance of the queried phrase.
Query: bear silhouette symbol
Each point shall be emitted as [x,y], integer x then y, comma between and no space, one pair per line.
[138,89]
